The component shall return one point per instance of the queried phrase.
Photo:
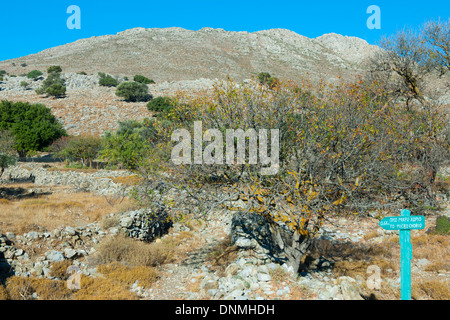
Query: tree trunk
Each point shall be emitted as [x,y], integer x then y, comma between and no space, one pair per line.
[295,247]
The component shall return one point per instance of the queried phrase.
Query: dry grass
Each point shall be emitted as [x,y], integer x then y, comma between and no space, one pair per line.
[22,288]
[59,269]
[128,275]
[128,180]
[222,254]
[103,289]
[134,253]
[48,212]
[354,261]
[431,289]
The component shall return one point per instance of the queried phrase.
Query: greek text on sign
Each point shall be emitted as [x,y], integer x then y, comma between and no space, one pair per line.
[402,223]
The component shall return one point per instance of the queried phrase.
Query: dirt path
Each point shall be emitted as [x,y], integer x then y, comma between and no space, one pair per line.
[180,280]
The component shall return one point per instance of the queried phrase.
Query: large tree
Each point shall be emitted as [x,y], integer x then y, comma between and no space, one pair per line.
[33,125]
[409,57]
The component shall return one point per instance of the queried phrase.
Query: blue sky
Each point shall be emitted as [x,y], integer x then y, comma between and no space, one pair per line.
[32,26]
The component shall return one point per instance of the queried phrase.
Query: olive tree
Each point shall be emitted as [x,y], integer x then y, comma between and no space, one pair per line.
[7,158]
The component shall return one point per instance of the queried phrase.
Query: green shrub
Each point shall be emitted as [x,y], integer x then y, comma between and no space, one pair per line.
[84,147]
[56,90]
[129,144]
[53,86]
[443,225]
[24,84]
[265,78]
[160,104]
[133,91]
[34,74]
[142,79]
[54,69]
[33,125]
[107,81]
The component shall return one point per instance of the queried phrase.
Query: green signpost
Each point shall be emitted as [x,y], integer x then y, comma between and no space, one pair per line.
[405,223]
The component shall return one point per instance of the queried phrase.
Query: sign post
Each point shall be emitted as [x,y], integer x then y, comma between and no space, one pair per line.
[405,223]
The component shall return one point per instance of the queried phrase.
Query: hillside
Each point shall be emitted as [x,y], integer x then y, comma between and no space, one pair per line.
[175,54]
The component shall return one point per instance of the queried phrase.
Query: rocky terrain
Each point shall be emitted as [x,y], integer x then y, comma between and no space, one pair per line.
[339,270]
[191,61]
[175,54]
[89,108]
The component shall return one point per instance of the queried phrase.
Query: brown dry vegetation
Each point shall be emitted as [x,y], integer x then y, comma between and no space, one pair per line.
[354,260]
[47,212]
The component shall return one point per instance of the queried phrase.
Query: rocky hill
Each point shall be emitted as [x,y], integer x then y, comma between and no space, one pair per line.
[175,54]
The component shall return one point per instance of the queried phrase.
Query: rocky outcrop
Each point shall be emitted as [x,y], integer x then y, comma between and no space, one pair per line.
[146,225]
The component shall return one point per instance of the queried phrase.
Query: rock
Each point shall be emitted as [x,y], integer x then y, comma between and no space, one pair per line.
[245,243]
[54,256]
[32,235]
[247,272]
[18,252]
[70,231]
[348,288]
[70,253]
[11,235]
[264,277]
[263,269]
[284,291]
[126,222]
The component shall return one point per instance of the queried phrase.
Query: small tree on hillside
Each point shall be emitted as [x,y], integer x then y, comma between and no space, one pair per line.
[54,69]
[133,91]
[142,79]
[84,147]
[409,56]
[53,86]
[34,74]
[107,81]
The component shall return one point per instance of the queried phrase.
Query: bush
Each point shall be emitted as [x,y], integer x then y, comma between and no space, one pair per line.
[34,74]
[84,147]
[265,78]
[130,144]
[107,81]
[142,79]
[56,90]
[24,84]
[53,86]
[160,104]
[33,125]
[133,91]
[54,69]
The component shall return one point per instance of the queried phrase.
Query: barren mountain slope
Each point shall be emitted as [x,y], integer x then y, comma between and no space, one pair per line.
[174,54]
